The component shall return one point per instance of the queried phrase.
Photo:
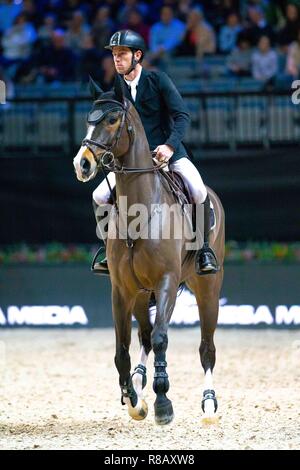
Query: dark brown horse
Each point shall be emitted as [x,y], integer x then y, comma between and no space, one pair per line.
[147,265]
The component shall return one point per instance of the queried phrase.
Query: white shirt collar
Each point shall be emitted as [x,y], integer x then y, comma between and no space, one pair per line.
[135,81]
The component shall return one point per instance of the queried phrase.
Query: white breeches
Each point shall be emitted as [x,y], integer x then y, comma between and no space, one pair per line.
[191,175]
[184,166]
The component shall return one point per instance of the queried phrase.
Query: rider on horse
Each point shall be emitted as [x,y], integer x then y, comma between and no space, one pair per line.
[165,120]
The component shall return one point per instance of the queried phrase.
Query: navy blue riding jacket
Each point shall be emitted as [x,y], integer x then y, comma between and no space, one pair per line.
[162,111]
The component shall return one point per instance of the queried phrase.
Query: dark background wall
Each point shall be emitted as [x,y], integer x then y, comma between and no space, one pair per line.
[41,199]
[30,289]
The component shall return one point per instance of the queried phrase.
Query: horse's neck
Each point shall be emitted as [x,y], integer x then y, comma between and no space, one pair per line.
[139,188]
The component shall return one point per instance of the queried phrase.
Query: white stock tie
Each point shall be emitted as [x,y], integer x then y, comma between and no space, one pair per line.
[133,91]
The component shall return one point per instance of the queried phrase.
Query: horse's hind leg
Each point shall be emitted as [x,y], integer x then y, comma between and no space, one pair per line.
[165,295]
[207,292]
[139,377]
[122,305]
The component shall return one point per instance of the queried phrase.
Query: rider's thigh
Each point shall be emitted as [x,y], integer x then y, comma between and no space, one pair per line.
[187,169]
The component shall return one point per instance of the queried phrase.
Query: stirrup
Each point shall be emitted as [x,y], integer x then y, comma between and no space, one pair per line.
[97,267]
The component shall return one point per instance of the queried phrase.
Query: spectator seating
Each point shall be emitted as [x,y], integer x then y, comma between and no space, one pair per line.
[215,120]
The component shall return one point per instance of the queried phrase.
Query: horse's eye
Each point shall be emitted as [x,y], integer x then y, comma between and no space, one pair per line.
[112,120]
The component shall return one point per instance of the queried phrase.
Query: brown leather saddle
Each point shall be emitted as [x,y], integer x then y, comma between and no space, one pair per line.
[178,186]
[182,194]
[174,183]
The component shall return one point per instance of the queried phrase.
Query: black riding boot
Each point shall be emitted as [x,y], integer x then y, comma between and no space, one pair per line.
[206,261]
[99,263]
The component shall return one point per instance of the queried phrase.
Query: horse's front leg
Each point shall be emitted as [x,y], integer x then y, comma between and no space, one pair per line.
[165,294]
[141,313]
[122,304]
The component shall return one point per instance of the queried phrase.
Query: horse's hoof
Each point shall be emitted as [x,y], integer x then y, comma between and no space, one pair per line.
[164,413]
[209,406]
[140,411]
[210,420]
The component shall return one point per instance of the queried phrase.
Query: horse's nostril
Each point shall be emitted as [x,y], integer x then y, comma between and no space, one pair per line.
[85,165]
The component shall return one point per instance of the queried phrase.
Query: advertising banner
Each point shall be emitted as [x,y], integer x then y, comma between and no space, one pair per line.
[253,295]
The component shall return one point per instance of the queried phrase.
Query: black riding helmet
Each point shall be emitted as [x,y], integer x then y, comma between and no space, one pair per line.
[128,38]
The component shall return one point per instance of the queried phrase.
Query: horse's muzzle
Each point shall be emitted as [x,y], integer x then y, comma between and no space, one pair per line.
[85,165]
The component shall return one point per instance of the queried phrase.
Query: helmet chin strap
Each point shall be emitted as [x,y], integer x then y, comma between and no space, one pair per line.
[134,63]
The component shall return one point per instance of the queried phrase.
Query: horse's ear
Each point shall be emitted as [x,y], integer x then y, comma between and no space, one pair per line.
[94,89]
[119,89]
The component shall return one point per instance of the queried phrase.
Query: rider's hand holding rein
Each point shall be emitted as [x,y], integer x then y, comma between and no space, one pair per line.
[163,153]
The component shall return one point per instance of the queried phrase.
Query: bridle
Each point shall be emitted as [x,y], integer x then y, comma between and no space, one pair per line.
[108,161]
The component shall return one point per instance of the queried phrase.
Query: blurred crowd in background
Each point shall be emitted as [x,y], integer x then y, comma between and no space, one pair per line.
[48,41]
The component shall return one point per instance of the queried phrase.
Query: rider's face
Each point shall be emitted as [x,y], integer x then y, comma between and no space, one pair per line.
[122,58]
